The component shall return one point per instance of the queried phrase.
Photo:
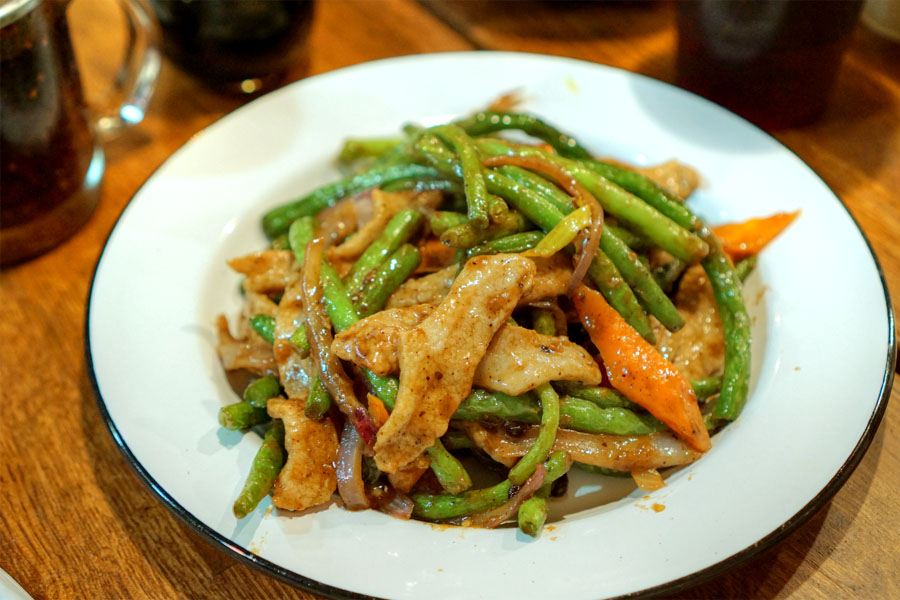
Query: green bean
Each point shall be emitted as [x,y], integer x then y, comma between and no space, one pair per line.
[354,149]
[441,507]
[280,243]
[398,230]
[387,278]
[647,190]
[442,220]
[483,406]
[467,235]
[241,415]
[704,388]
[384,387]
[544,322]
[634,241]
[470,162]
[342,314]
[585,416]
[423,185]
[602,271]
[448,470]
[574,413]
[258,392]
[539,185]
[299,234]
[603,397]
[666,275]
[277,220]
[641,281]
[491,121]
[511,244]
[455,439]
[641,217]
[400,155]
[533,512]
[745,267]
[300,341]
[541,212]
[341,310]
[539,450]
[264,325]
[735,326]
[318,401]
[604,274]
[265,468]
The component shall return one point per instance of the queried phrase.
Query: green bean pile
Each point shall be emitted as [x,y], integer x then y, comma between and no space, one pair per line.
[489,210]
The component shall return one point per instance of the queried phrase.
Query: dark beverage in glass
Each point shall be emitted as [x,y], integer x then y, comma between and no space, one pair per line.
[237,45]
[51,165]
[771,61]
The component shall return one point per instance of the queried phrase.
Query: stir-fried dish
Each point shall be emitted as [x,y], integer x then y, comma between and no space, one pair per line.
[459,295]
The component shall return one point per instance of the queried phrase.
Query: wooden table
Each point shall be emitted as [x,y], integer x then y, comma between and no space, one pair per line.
[75,522]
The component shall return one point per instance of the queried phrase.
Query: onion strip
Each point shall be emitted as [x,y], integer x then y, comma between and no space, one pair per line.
[319,335]
[648,480]
[349,470]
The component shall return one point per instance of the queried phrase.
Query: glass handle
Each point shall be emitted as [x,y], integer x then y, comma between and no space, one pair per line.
[136,77]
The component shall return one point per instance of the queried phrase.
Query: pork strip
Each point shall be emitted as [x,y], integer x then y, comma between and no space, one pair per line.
[553,275]
[308,478]
[254,355]
[438,357]
[518,360]
[374,342]
[698,348]
[267,272]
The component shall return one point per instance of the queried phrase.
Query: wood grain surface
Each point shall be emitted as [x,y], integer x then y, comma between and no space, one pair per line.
[75,522]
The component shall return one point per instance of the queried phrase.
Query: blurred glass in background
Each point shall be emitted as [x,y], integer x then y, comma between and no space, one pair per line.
[883,17]
[50,139]
[771,61]
[240,46]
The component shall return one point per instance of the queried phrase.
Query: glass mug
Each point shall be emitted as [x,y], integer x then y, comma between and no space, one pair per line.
[51,160]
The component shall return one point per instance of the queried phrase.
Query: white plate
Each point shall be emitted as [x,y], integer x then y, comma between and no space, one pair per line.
[823,346]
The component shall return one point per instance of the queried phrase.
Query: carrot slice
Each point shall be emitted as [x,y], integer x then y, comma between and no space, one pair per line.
[639,371]
[378,410]
[435,256]
[750,237]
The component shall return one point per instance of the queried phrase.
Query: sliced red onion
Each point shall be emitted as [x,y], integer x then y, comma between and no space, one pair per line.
[589,247]
[349,470]
[329,367]
[396,504]
[338,221]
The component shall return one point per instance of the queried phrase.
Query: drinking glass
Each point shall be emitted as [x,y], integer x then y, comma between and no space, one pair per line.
[50,140]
